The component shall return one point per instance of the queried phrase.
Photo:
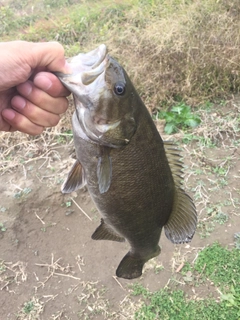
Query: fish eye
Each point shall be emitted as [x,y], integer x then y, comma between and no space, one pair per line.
[119,88]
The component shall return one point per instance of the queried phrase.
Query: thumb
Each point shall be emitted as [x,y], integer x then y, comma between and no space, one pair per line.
[50,56]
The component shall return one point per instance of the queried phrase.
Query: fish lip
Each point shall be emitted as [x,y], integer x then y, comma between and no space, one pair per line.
[85,62]
[89,76]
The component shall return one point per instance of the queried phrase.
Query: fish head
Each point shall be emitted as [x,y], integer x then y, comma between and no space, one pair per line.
[103,96]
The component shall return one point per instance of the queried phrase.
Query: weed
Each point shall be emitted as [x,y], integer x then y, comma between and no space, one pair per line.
[68,203]
[31,310]
[2,267]
[139,290]
[220,171]
[22,192]
[237,240]
[28,307]
[219,264]
[232,298]
[216,263]
[175,305]
[205,228]
[221,217]
[2,227]
[180,117]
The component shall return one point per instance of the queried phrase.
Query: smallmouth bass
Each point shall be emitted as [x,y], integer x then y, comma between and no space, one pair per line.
[133,177]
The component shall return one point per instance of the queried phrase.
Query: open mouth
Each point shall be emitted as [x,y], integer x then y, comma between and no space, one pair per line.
[95,60]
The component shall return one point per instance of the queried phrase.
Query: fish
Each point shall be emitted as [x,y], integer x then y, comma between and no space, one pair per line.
[134,178]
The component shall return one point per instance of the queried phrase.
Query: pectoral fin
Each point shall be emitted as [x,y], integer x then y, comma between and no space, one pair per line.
[104,170]
[75,179]
[105,232]
[182,222]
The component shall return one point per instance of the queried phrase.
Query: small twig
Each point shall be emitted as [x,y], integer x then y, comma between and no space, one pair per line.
[37,216]
[115,278]
[230,195]
[66,275]
[180,267]
[81,209]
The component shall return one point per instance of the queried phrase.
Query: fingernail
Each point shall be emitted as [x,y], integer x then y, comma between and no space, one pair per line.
[67,68]
[42,82]
[18,102]
[8,114]
[25,88]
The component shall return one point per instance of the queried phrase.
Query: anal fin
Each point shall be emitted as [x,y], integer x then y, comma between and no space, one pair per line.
[75,179]
[182,222]
[105,232]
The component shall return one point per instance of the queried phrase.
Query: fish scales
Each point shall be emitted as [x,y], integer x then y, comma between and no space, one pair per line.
[133,177]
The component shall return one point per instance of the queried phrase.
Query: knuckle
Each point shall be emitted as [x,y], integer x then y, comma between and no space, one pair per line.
[53,121]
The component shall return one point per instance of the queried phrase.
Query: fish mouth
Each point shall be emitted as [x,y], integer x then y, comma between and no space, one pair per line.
[96,61]
[93,58]
[86,68]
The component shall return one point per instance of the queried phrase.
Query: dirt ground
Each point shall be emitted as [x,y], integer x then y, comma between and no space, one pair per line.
[49,266]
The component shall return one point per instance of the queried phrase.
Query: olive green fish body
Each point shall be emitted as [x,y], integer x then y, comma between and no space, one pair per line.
[133,177]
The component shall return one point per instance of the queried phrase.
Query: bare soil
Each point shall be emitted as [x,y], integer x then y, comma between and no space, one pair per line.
[50,268]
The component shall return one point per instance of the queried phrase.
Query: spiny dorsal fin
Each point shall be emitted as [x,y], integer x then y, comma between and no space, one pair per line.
[105,232]
[174,159]
[182,222]
[75,179]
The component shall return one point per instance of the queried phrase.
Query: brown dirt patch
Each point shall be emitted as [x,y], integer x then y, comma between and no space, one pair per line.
[51,269]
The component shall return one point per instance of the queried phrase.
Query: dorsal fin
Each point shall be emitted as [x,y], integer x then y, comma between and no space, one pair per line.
[175,162]
[182,222]
[75,179]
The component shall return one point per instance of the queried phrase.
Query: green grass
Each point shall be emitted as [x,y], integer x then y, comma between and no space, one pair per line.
[214,263]
[174,305]
[220,265]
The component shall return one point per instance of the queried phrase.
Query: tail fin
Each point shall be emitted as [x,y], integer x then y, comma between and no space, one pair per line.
[131,266]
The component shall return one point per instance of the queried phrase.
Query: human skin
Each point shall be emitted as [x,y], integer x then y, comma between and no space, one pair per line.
[31,97]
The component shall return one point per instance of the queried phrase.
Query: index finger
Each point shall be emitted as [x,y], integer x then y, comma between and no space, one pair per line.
[49,83]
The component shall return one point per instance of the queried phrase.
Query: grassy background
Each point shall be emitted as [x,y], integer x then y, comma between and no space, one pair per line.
[174,50]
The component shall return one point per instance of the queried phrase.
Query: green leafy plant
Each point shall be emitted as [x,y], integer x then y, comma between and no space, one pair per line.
[175,305]
[179,117]
[2,227]
[237,240]
[220,265]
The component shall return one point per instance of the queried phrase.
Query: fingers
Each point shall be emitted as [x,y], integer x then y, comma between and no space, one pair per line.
[39,98]
[39,104]
[49,83]
[35,114]
[19,122]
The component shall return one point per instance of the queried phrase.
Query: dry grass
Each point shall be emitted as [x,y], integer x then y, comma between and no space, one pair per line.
[12,273]
[172,49]
[17,149]
[182,50]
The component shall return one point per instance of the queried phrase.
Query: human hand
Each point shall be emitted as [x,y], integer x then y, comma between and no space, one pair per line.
[31,97]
